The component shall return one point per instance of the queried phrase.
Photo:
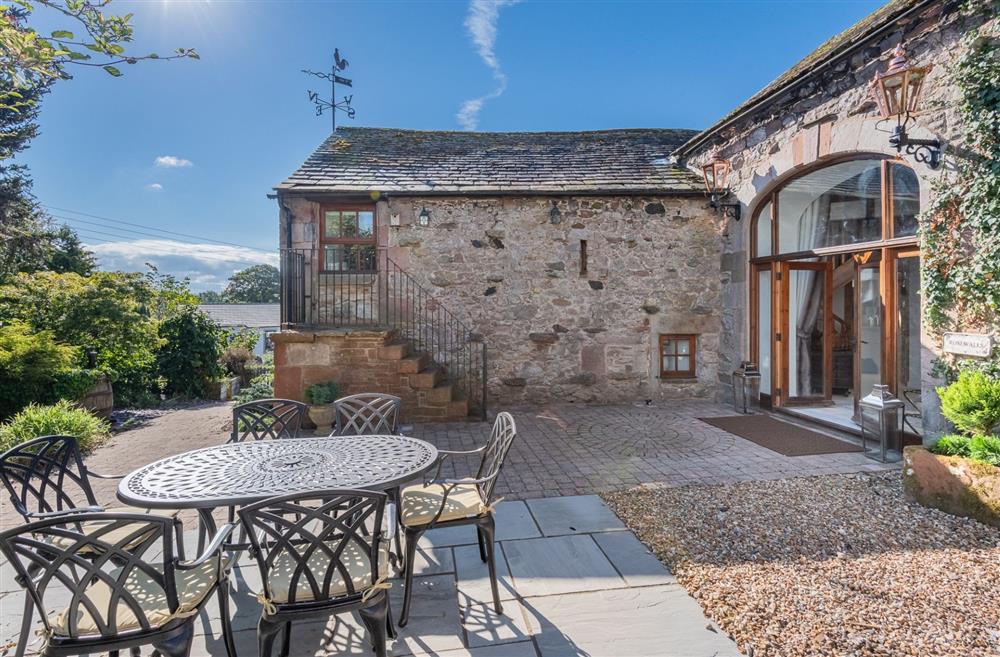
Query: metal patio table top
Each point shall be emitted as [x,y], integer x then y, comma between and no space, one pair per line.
[243,473]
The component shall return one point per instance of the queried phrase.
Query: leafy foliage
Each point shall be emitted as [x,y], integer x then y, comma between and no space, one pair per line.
[320,394]
[261,386]
[961,228]
[972,403]
[97,39]
[257,284]
[30,364]
[108,311]
[211,296]
[188,356]
[62,418]
[952,445]
[986,449]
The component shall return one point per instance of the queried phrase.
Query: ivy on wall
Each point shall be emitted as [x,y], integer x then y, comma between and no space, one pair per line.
[960,230]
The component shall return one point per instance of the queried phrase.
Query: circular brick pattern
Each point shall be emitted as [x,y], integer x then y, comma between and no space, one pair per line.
[651,432]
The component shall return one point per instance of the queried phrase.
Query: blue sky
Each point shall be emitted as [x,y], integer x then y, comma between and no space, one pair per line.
[230,126]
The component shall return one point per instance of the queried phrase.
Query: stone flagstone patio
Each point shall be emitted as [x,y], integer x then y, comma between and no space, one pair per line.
[574,581]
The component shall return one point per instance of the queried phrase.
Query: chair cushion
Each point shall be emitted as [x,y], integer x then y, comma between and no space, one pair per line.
[192,587]
[354,558]
[421,503]
[112,537]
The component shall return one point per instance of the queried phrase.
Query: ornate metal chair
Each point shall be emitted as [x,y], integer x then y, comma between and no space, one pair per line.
[452,502]
[120,597]
[365,414]
[267,419]
[321,553]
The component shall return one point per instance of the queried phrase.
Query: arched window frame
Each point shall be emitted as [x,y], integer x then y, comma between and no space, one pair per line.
[769,201]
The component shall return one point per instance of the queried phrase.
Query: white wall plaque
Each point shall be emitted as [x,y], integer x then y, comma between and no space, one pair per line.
[968,344]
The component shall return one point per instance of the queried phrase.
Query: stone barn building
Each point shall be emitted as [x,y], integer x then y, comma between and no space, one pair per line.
[464,269]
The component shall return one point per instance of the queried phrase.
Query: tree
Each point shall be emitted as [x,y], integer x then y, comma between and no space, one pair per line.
[188,357]
[211,296]
[257,284]
[95,40]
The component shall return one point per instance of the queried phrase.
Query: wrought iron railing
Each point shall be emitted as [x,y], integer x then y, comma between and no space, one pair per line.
[378,293]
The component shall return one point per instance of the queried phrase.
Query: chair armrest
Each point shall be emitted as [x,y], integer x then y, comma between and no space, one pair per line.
[65,512]
[99,475]
[214,547]
[448,452]
[444,454]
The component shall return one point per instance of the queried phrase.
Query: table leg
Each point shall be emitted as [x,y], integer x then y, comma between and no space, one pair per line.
[206,528]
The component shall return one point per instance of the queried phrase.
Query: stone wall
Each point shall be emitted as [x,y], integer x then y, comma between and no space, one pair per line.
[825,116]
[510,268]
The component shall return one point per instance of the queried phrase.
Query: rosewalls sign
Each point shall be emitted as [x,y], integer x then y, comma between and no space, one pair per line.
[968,344]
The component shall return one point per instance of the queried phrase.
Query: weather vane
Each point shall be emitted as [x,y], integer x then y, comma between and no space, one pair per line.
[322,105]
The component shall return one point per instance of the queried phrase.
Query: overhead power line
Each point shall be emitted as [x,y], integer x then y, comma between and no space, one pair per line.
[147,227]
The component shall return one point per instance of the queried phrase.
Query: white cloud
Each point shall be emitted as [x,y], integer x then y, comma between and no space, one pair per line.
[481,22]
[172,162]
[208,266]
[154,187]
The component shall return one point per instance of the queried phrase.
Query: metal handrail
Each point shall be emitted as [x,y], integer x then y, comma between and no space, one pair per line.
[373,291]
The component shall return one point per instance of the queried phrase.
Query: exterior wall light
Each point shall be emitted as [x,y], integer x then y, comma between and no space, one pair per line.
[897,94]
[716,174]
[555,216]
[887,412]
[424,218]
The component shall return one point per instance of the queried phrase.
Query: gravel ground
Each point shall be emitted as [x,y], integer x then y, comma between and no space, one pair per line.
[837,565]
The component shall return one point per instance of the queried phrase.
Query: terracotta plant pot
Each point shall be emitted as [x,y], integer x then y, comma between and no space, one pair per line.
[322,416]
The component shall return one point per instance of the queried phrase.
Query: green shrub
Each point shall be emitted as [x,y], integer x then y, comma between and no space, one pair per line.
[31,362]
[986,449]
[235,359]
[972,403]
[319,394]
[74,384]
[262,385]
[60,419]
[952,445]
[188,357]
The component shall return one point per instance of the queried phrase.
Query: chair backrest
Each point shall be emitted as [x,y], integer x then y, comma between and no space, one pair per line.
[46,474]
[501,438]
[267,418]
[368,413]
[103,572]
[314,541]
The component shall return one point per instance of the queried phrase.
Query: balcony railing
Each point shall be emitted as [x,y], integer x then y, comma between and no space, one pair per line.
[374,292]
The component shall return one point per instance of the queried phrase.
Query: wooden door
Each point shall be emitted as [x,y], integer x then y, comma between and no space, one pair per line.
[804,332]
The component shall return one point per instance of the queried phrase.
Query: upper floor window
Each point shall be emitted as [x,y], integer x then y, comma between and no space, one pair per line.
[853,202]
[347,238]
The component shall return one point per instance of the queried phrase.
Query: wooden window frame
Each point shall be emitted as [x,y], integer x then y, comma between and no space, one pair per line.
[692,371]
[325,241]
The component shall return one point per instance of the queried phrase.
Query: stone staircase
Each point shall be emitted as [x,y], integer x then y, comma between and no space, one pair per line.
[434,397]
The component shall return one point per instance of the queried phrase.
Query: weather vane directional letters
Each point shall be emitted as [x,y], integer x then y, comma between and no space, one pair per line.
[322,105]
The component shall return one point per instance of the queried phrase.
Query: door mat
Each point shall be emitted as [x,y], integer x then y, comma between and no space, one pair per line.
[781,437]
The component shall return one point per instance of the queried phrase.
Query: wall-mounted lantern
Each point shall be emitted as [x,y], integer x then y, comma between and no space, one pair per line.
[424,218]
[555,216]
[897,94]
[746,388]
[888,415]
[716,174]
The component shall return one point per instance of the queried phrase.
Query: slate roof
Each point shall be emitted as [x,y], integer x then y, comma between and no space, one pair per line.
[362,160]
[831,48]
[250,315]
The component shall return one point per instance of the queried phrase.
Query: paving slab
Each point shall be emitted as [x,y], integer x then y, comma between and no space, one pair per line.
[513,521]
[484,627]
[521,649]
[633,560]
[560,564]
[433,561]
[474,575]
[576,514]
[434,624]
[654,621]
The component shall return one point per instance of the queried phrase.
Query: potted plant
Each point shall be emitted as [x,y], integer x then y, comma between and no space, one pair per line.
[321,410]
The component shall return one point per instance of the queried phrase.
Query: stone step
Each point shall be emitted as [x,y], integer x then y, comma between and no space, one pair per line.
[395,350]
[442,392]
[458,409]
[414,363]
[428,378]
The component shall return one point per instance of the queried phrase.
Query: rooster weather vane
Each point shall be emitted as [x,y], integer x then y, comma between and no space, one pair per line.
[322,105]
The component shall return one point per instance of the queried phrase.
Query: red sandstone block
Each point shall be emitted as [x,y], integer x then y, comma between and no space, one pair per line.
[414,363]
[394,351]
[441,393]
[427,379]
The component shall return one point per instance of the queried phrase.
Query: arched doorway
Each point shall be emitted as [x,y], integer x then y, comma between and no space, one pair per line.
[834,288]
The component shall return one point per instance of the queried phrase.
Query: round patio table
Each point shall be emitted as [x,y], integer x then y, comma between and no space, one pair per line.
[237,474]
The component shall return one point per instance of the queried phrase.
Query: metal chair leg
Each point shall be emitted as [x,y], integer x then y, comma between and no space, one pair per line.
[482,544]
[22,640]
[286,639]
[411,550]
[375,621]
[178,645]
[489,529]
[267,632]
[227,625]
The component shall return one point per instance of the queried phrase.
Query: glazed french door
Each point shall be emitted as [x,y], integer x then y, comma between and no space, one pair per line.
[803,336]
[870,288]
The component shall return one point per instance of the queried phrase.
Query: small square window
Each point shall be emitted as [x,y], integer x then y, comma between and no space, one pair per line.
[677,356]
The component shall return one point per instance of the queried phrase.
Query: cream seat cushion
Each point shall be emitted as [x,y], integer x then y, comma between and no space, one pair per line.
[112,537]
[421,503]
[354,558]
[192,587]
